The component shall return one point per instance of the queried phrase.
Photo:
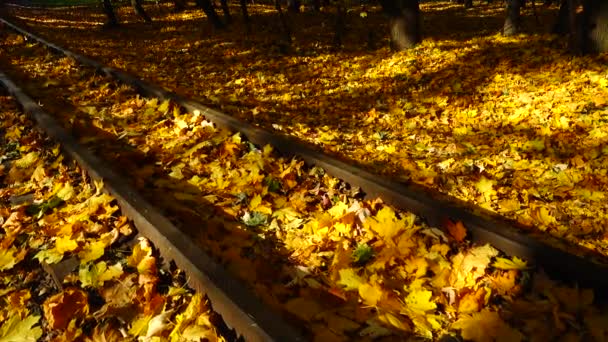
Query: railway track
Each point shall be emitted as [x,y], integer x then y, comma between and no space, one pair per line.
[237,304]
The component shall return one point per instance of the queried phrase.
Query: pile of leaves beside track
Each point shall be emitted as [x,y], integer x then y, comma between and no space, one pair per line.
[343,267]
[513,125]
[67,272]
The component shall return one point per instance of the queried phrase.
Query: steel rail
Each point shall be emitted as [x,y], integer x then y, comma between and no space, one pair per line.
[559,259]
[238,306]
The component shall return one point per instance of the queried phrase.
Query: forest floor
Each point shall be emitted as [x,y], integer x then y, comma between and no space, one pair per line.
[109,286]
[513,125]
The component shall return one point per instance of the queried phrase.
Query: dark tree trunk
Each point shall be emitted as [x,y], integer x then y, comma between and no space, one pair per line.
[468,3]
[245,15]
[561,23]
[179,5]
[207,7]
[316,5]
[576,28]
[403,22]
[595,26]
[293,6]
[109,11]
[340,27]
[139,10]
[286,43]
[513,22]
[226,10]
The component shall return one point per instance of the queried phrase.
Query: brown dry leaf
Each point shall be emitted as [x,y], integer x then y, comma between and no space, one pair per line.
[456,230]
[61,308]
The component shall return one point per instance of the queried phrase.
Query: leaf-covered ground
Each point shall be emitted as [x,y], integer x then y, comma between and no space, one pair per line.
[513,125]
[339,266]
[67,269]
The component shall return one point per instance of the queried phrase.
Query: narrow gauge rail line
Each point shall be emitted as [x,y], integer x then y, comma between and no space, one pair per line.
[239,308]
[558,259]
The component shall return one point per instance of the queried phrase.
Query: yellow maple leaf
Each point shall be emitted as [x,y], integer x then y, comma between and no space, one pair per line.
[27,160]
[96,248]
[139,326]
[65,244]
[420,302]
[9,258]
[16,328]
[387,225]
[471,265]
[543,216]
[194,310]
[338,209]
[66,192]
[485,188]
[141,257]
[50,256]
[255,202]
[350,279]
[510,264]
[95,275]
[371,294]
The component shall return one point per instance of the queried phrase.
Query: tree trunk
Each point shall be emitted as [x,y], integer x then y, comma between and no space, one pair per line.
[286,43]
[109,11]
[595,26]
[576,28]
[210,12]
[339,29]
[316,5]
[226,10]
[561,23]
[245,15]
[513,22]
[139,10]
[293,6]
[179,5]
[403,22]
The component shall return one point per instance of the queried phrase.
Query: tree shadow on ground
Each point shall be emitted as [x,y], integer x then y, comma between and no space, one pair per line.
[482,20]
